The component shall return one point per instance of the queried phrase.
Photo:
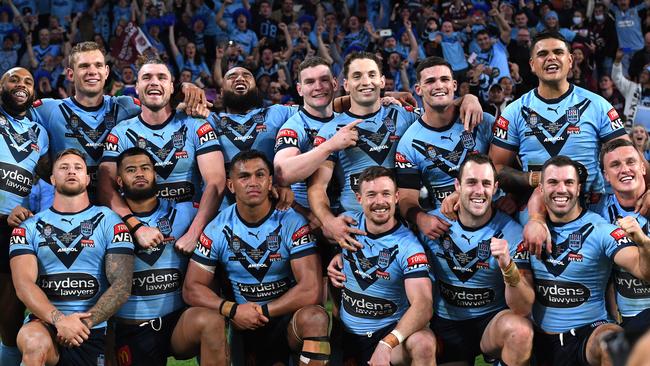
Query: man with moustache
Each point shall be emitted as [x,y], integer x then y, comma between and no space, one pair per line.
[385,287]
[269,256]
[434,147]
[154,323]
[188,158]
[72,267]
[570,281]
[475,312]
[623,168]
[23,149]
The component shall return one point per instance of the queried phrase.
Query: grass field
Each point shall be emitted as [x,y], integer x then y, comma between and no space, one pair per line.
[173,362]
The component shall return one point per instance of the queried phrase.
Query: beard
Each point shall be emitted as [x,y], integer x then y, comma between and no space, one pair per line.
[140,194]
[244,102]
[10,104]
[70,191]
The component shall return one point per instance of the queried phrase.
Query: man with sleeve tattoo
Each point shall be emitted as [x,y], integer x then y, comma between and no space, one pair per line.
[72,267]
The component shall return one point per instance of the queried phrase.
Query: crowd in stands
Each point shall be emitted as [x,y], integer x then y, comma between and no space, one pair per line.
[487,43]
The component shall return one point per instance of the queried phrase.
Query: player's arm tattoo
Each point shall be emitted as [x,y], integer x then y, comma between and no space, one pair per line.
[119,271]
[55,316]
[513,180]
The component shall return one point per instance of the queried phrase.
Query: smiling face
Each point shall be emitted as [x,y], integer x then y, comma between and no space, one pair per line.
[561,188]
[89,72]
[317,86]
[17,90]
[154,86]
[624,170]
[476,188]
[364,82]
[436,87]
[378,198]
[551,60]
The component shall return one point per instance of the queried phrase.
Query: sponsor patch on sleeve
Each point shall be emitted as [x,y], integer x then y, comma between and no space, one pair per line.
[302,236]
[521,253]
[37,103]
[401,162]
[121,234]
[501,128]
[614,119]
[286,137]
[136,101]
[204,245]
[417,260]
[111,142]
[620,236]
[318,140]
[18,236]
[613,114]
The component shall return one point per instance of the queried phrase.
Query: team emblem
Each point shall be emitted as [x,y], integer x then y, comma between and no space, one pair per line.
[32,135]
[47,231]
[109,121]
[273,242]
[86,228]
[177,140]
[533,120]
[483,250]
[74,122]
[468,140]
[575,242]
[383,260]
[390,126]
[164,226]
[572,115]
[223,123]
[142,143]
[431,153]
[235,245]
[3,121]
[258,118]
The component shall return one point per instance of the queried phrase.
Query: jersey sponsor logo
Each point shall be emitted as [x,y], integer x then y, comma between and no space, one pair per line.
[365,306]
[553,135]
[302,236]
[156,282]
[560,294]
[20,145]
[91,139]
[417,260]
[440,193]
[319,140]
[255,260]
[464,297]
[562,254]
[614,119]
[242,135]
[621,237]
[165,158]
[66,245]
[204,245]
[177,191]
[521,254]
[206,133]
[18,236]
[286,138]
[124,357]
[465,264]
[265,291]
[401,162]
[500,129]
[354,182]
[37,103]
[111,143]
[377,144]
[15,179]
[629,286]
[69,286]
[367,270]
[121,233]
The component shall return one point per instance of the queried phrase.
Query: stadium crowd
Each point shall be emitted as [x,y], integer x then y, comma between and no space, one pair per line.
[199,178]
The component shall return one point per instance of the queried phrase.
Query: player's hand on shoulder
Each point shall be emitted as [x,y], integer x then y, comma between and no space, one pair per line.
[642,205]
[18,215]
[335,271]
[195,103]
[148,237]
[537,237]
[450,206]
[284,197]
[507,204]
[471,112]
[339,230]
[249,316]
[432,226]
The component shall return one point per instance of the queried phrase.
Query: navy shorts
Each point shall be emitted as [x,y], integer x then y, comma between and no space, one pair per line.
[460,340]
[566,349]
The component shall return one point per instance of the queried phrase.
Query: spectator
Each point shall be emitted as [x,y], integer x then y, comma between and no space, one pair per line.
[285,14]
[190,59]
[611,94]
[639,136]
[265,25]
[637,95]
[640,58]
[628,29]
[241,34]
[582,72]
[44,86]
[44,48]
[521,22]
[8,55]
[602,32]
[452,49]
[507,86]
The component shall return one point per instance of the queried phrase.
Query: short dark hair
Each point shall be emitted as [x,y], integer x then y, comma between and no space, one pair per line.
[245,156]
[562,161]
[359,56]
[482,31]
[549,35]
[374,172]
[141,61]
[132,151]
[70,151]
[480,159]
[431,62]
[312,61]
[610,146]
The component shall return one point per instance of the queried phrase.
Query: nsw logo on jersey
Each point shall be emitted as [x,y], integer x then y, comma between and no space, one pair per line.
[255,260]
[500,129]
[205,134]
[166,157]
[20,145]
[443,158]
[302,236]
[378,144]
[367,270]
[91,139]
[18,236]
[242,135]
[465,264]
[553,135]
[566,252]
[401,162]
[614,119]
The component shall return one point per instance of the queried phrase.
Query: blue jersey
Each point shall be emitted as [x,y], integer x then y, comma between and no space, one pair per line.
[255,130]
[174,146]
[431,156]
[632,294]
[570,282]
[158,272]
[22,145]
[299,132]
[469,280]
[374,295]
[71,125]
[628,27]
[256,256]
[70,249]
[379,134]
[574,125]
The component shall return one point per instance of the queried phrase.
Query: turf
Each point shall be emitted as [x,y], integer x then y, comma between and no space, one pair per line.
[173,362]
